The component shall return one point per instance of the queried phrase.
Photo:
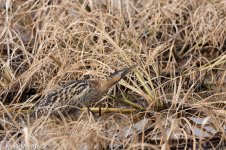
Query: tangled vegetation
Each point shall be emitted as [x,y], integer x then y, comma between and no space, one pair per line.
[174,99]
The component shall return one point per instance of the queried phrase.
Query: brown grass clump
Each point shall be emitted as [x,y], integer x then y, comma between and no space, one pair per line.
[174,99]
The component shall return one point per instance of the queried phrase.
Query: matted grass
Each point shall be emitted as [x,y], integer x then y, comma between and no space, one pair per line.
[175,98]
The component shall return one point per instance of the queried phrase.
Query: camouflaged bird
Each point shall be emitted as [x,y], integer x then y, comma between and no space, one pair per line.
[78,93]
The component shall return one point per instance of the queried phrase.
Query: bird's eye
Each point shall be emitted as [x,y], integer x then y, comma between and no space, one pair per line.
[111,74]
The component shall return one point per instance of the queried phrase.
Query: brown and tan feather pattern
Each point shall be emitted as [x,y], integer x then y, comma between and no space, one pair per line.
[78,93]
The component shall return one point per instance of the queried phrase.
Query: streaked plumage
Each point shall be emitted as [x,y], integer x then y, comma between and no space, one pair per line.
[78,93]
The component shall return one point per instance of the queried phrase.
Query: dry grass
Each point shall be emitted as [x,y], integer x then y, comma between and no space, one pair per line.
[179,47]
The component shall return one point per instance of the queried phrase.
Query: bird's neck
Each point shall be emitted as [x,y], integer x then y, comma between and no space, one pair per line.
[108,83]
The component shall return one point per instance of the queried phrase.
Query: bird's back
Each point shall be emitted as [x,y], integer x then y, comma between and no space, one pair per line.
[73,94]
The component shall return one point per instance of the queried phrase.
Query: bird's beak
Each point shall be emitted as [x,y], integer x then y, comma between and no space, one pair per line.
[127,70]
[122,73]
[116,77]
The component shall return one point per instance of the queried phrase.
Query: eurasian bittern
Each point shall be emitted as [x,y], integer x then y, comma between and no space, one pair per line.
[78,93]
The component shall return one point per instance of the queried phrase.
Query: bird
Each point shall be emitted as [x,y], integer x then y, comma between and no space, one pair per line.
[78,93]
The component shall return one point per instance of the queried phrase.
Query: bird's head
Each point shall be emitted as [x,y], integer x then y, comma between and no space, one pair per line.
[119,74]
[116,77]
